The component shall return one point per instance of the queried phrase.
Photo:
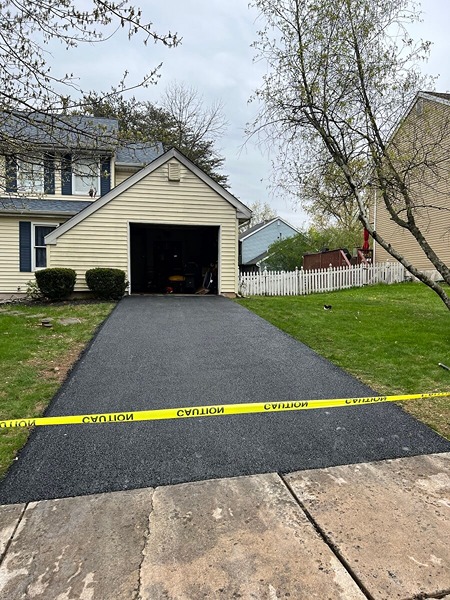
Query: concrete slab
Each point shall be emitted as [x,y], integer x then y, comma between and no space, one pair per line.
[245,538]
[389,520]
[9,519]
[87,548]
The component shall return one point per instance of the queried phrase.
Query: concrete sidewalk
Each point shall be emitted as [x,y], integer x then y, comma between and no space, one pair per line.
[374,531]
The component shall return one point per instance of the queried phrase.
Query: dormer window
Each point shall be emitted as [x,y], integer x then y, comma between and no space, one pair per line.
[30,175]
[86,177]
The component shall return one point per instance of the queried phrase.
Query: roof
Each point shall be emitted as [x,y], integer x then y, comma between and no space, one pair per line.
[41,207]
[59,131]
[138,154]
[252,230]
[243,212]
[439,97]
[257,259]
[443,96]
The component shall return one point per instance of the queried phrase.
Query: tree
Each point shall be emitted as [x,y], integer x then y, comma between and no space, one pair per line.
[341,76]
[327,199]
[29,86]
[261,212]
[181,120]
[288,254]
[196,127]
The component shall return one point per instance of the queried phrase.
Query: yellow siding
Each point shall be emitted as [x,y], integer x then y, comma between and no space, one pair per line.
[122,174]
[429,135]
[11,279]
[102,238]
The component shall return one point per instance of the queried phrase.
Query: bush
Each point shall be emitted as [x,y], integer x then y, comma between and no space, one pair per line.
[106,283]
[56,283]
[33,292]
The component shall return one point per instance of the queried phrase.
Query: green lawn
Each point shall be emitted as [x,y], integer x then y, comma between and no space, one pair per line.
[390,337]
[34,360]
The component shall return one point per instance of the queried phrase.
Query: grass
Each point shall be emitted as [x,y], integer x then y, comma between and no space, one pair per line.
[34,360]
[390,337]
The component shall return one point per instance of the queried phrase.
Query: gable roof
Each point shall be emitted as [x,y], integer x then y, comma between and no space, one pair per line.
[438,97]
[252,230]
[442,96]
[243,212]
[254,261]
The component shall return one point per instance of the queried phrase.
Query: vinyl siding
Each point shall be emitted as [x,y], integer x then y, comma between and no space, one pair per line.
[122,174]
[11,278]
[259,242]
[102,238]
[429,134]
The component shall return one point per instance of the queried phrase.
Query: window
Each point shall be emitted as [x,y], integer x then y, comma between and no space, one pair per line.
[86,177]
[30,175]
[39,254]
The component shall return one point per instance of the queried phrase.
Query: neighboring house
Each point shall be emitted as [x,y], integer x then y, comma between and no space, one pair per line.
[422,141]
[82,201]
[254,242]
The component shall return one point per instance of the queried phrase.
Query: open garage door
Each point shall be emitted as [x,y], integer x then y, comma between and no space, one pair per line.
[179,259]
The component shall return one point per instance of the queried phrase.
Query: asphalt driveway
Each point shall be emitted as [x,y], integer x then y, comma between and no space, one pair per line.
[158,352]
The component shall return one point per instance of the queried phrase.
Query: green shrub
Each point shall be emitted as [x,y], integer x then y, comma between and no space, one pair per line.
[106,283]
[56,283]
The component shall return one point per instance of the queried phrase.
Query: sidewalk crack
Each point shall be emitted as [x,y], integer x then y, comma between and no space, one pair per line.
[146,537]
[325,538]
[436,596]
[9,542]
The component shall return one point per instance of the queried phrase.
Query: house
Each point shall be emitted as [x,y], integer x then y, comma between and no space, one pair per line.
[73,197]
[254,242]
[421,143]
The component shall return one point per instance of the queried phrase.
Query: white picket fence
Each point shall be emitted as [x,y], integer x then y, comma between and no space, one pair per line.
[300,282]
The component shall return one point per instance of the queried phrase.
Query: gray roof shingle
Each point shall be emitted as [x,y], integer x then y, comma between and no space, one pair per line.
[58,131]
[439,95]
[139,154]
[35,206]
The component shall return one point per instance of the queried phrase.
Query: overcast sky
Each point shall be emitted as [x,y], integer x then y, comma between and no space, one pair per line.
[216,58]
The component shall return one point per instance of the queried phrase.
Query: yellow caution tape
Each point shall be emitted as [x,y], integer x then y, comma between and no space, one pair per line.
[190,412]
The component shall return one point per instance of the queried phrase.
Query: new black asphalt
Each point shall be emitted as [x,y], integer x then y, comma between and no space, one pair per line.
[160,352]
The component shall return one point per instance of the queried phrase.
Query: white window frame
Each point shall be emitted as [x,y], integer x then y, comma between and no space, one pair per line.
[33,185]
[33,244]
[83,161]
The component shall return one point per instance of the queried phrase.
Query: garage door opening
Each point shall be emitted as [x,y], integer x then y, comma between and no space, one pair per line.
[179,259]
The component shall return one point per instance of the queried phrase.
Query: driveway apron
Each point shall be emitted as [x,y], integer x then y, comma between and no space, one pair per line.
[162,352]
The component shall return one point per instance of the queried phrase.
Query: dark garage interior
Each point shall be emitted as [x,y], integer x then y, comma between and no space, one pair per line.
[178,259]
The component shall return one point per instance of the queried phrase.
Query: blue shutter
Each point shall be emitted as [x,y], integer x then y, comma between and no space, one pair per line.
[105,175]
[11,174]
[66,175]
[25,246]
[49,173]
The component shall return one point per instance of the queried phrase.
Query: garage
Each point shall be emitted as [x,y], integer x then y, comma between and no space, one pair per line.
[168,226]
[177,259]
